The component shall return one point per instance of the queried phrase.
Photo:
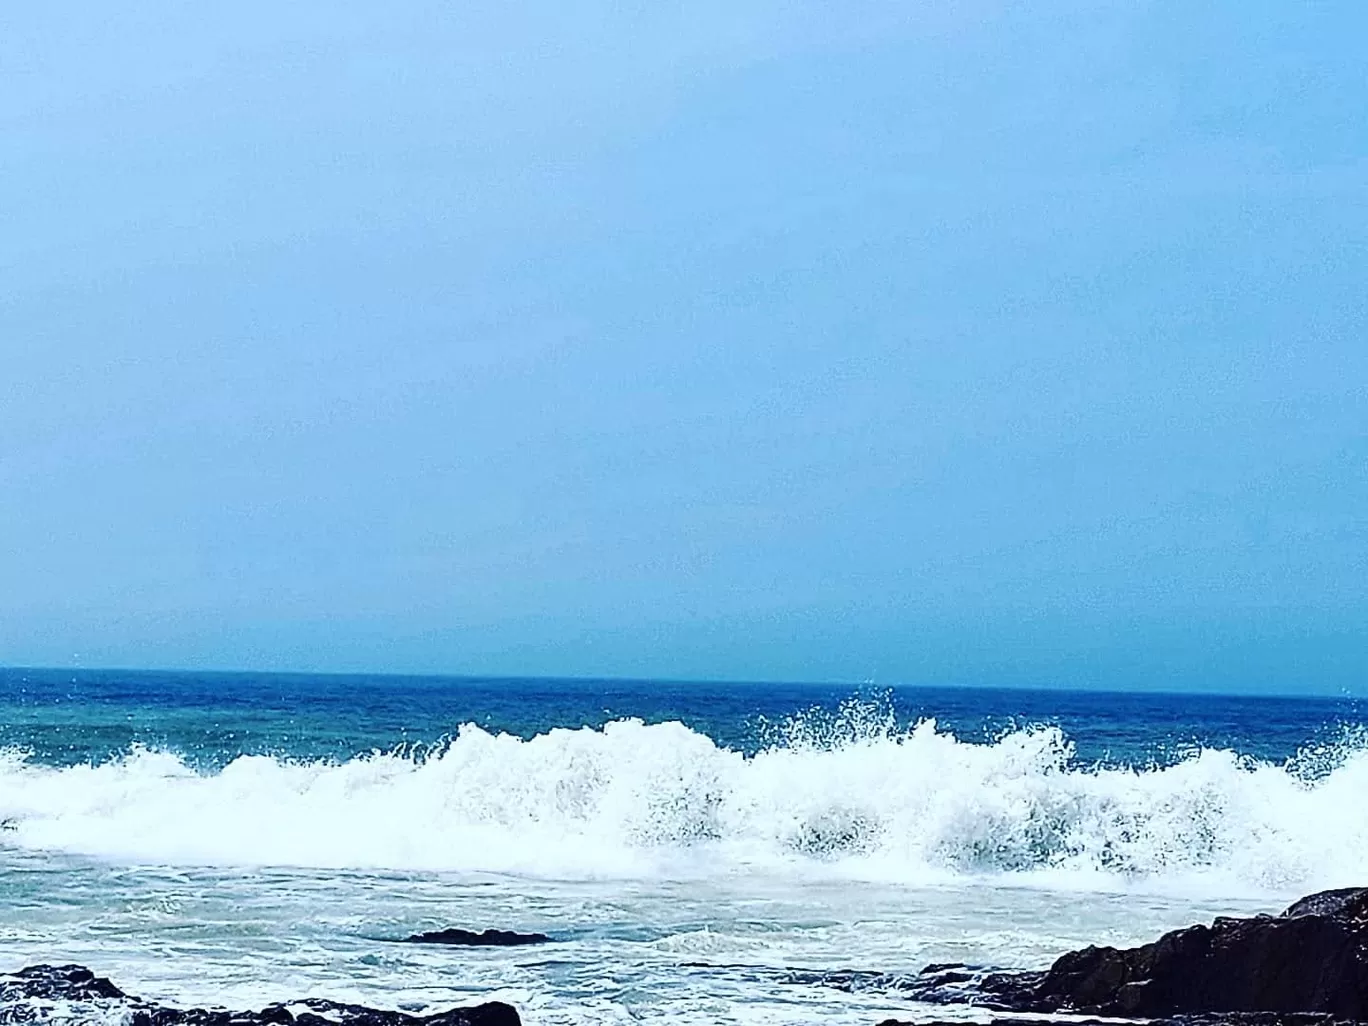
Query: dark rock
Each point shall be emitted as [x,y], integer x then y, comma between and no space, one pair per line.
[46,993]
[487,939]
[1312,959]
[1308,962]
[1346,903]
[953,983]
[56,983]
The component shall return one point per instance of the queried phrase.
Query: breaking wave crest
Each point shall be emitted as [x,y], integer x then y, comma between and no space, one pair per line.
[917,805]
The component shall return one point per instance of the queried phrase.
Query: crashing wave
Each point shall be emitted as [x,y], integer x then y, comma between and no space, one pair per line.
[631,798]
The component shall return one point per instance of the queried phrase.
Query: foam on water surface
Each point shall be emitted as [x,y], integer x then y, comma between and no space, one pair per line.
[719,950]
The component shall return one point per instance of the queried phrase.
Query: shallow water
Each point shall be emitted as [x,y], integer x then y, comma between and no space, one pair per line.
[712,950]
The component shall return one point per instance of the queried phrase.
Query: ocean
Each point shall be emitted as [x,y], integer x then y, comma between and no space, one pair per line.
[699,853]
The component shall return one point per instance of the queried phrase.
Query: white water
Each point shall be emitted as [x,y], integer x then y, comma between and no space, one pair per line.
[685,953]
[643,802]
[681,880]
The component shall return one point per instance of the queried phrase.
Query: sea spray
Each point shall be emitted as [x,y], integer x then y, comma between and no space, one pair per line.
[857,796]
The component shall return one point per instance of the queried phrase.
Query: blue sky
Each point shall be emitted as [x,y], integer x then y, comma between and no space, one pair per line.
[932,342]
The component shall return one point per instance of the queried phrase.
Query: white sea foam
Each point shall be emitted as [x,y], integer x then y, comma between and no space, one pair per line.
[630,799]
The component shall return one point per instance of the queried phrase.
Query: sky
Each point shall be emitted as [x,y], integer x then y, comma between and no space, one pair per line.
[926,342]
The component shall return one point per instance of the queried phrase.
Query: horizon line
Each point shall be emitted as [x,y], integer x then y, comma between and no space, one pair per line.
[1096,689]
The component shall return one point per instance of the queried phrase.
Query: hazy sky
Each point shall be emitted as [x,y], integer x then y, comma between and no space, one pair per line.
[954,342]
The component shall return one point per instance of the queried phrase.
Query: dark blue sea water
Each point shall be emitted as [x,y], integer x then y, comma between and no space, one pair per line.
[64,717]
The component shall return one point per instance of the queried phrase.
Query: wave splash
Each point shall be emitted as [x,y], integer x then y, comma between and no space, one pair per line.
[857,797]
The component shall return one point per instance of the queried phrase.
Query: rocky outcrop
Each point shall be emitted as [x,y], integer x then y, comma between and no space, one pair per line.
[45,993]
[1311,959]
[487,939]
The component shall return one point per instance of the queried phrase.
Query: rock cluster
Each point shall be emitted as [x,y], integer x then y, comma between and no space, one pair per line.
[45,993]
[1312,961]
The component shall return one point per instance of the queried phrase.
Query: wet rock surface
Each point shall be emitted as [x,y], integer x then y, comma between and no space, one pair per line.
[45,993]
[486,939]
[1312,959]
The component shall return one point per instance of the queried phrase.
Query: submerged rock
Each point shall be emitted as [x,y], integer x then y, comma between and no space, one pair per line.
[1311,959]
[46,993]
[487,939]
